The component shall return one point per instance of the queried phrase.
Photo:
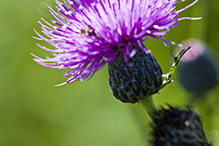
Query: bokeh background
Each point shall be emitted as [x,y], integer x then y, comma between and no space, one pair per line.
[33,112]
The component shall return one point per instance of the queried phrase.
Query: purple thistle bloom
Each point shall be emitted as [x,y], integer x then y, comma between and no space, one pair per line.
[87,34]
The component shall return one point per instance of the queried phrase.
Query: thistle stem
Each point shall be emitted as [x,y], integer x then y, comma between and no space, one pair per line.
[149,106]
[176,60]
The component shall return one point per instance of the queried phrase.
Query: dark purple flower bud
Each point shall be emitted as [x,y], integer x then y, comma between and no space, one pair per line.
[197,70]
[178,127]
[140,79]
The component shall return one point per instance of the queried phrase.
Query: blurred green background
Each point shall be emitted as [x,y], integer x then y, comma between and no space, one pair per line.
[35,113]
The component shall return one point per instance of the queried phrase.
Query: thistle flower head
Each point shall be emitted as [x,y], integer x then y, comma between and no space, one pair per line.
[87,34]
[197,49]
[178,127]
[138,81]
[198,71]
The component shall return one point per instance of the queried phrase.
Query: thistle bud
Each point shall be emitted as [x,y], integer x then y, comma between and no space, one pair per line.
[197,71]
[178,127]
[137,80]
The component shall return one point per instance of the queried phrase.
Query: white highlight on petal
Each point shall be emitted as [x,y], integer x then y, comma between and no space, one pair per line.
[68,12]
[132,53]
[80,7]
[189,18]
[148,31]
[156,26]
[61,84]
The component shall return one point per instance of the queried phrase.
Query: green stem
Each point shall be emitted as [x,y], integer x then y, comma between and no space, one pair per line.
[149,106]
[176,60]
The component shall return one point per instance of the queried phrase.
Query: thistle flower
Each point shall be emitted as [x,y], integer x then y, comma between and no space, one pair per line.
[89,33]
[178,127]
[136,82]
[198,72]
